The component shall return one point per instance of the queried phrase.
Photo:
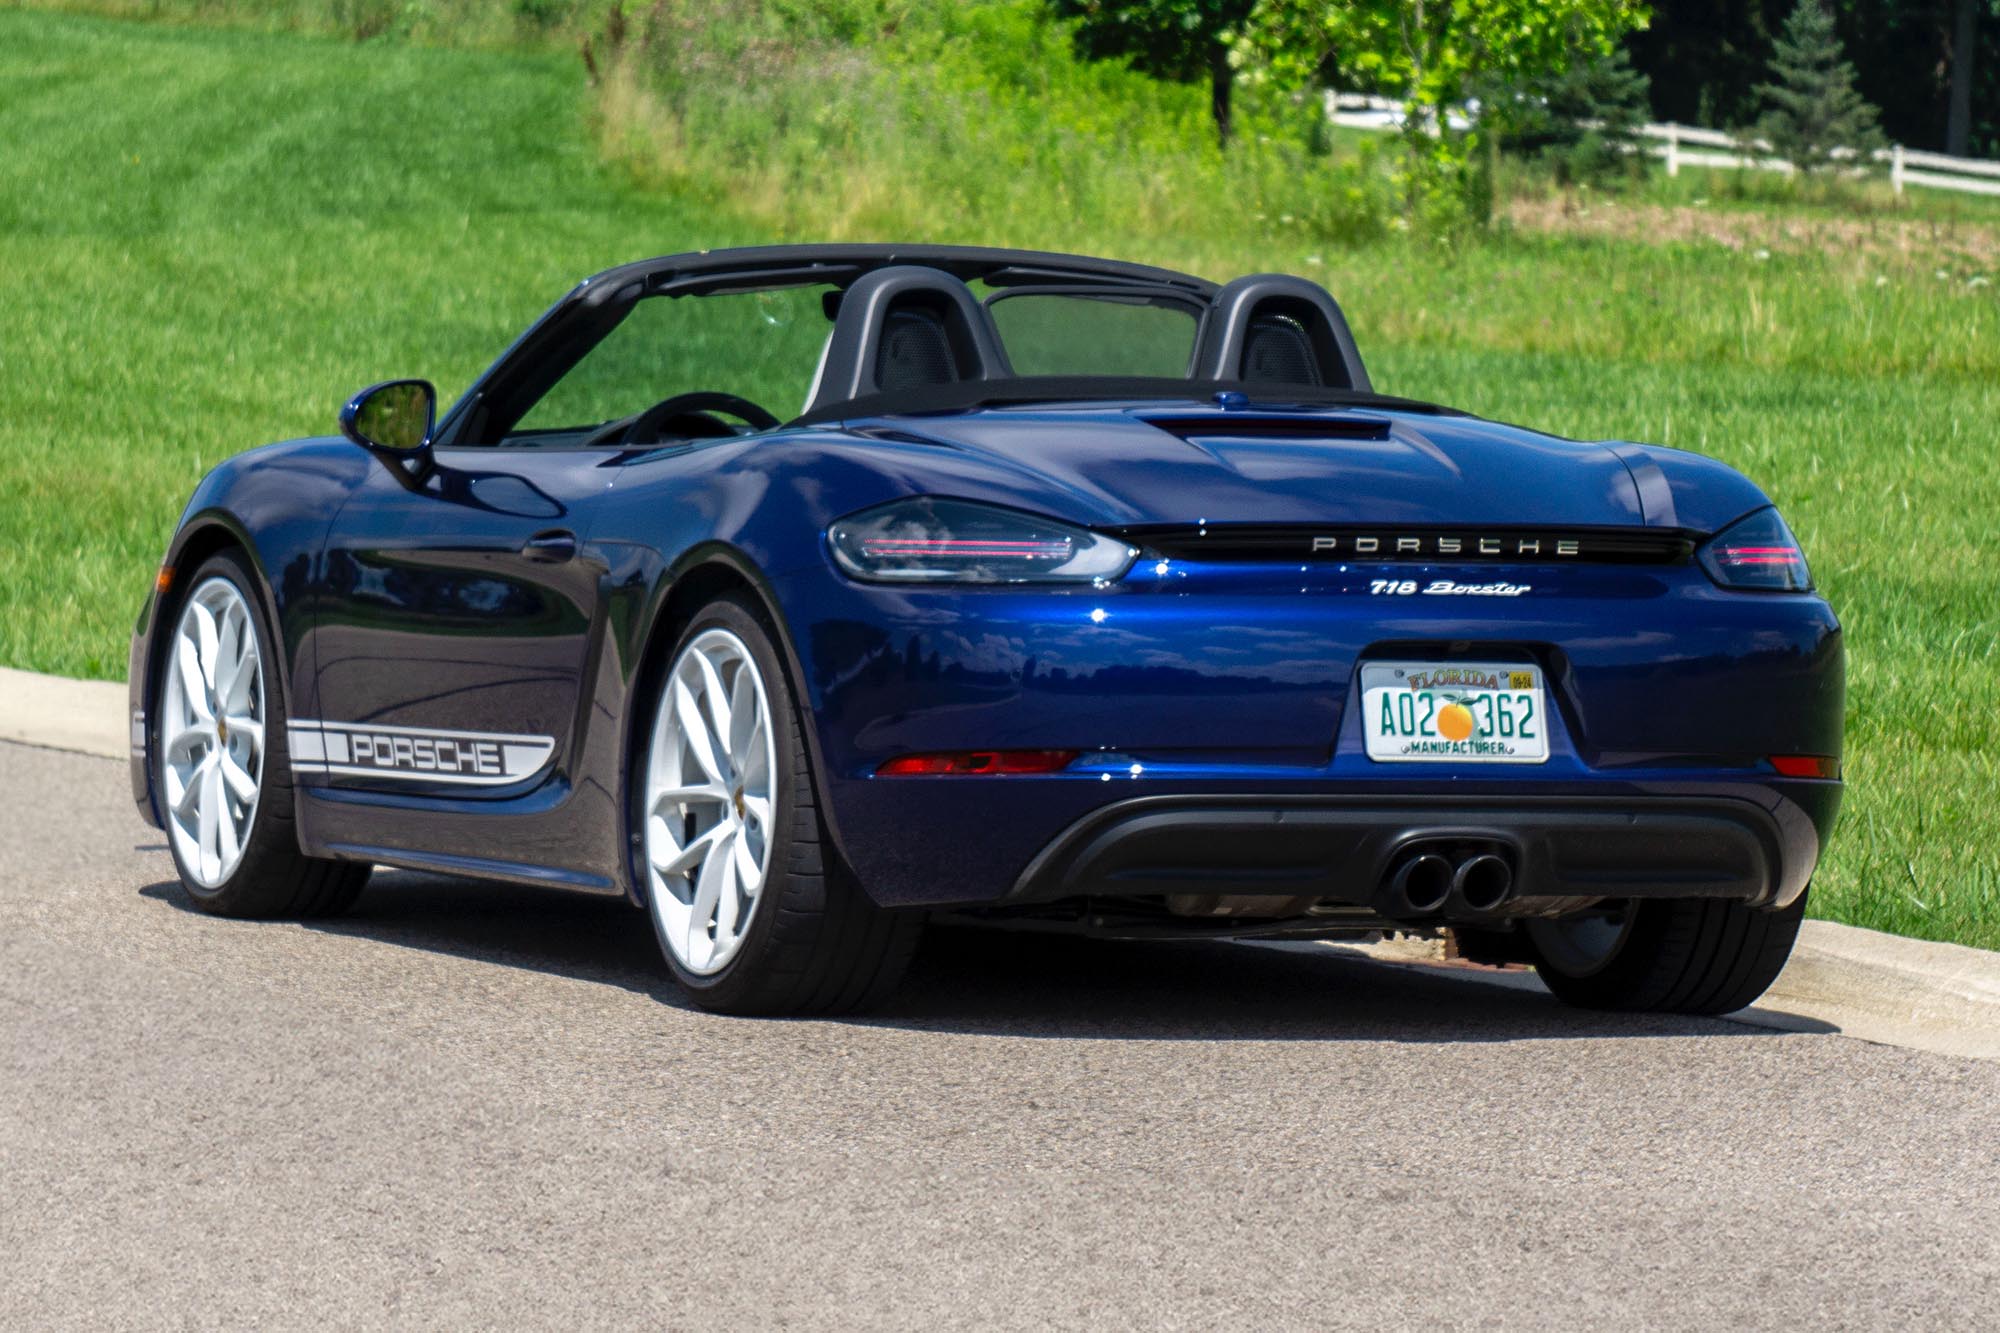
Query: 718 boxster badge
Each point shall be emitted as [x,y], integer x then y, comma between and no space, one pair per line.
[1445,588]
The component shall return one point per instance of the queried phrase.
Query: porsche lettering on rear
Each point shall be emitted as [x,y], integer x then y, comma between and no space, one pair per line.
[1377,545]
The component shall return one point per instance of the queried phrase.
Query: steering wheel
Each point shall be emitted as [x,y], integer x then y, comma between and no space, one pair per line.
[691,410]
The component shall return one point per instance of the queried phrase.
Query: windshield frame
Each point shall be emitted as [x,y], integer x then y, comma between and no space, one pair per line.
[570,328]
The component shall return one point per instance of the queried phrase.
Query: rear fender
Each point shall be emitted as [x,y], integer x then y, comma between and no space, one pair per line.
[674,594]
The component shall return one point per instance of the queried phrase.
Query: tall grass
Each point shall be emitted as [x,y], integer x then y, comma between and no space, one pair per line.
[208,238]
[850,118]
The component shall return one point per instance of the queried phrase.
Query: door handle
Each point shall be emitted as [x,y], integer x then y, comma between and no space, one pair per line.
[551,548]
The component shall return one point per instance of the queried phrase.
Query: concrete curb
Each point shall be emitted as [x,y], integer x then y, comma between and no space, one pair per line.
[1943,998]
[84,716]
[1884,988]
[1903,992]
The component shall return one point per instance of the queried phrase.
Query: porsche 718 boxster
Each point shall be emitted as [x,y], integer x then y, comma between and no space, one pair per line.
[800,595]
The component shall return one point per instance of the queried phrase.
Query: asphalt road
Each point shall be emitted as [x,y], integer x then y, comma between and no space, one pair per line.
[464,1105]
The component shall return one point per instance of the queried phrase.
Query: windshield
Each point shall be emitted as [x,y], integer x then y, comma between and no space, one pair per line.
[765,346]
[762,346]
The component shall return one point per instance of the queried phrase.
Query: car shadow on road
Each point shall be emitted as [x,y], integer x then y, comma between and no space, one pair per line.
[994,983]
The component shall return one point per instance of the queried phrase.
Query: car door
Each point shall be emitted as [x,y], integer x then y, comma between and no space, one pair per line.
[455,624]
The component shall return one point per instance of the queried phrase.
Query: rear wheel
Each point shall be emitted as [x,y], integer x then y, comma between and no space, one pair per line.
[221,766]
[753,912]
[1686,956]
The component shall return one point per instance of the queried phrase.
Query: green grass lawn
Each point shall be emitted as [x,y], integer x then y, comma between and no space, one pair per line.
[208,238]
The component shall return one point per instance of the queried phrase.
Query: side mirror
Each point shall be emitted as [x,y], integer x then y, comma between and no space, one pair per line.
[395,418]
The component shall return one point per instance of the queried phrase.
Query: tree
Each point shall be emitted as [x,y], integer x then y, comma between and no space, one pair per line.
[1435,54]
[1184,41]
[1814,107]
[1584,119]
[1964,46]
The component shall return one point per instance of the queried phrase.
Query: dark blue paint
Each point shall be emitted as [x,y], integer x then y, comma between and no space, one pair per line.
[415,604]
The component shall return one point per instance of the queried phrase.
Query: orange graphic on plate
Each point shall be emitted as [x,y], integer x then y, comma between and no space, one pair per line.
[1454,722]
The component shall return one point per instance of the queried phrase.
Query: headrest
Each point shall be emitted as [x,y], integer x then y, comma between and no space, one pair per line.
[906,327]
[1272,329]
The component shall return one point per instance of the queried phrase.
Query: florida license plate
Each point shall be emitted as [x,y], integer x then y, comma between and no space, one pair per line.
[1454,712]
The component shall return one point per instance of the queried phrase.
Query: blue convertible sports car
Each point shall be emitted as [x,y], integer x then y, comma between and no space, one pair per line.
[801,594]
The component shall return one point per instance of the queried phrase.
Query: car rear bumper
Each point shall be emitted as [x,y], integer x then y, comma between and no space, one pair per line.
[1237,713]
[1344,848]
[993,841]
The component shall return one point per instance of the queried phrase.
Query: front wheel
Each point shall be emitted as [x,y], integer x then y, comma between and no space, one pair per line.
[1682,956]
[222,768]
[754,913]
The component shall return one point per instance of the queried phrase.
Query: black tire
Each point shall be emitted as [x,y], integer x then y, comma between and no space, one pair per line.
[816,943]
[273,879]
[1679,956]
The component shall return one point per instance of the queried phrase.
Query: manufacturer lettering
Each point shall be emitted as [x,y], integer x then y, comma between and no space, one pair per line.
[351,749]
[424,754]
[1397,544]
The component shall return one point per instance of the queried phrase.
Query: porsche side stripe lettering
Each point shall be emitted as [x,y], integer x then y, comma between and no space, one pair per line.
[476,758]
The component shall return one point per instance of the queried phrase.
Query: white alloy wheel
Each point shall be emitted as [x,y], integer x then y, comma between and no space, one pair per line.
[211,732]
[711,789]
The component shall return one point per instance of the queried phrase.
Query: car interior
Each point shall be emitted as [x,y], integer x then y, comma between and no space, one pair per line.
[914,333]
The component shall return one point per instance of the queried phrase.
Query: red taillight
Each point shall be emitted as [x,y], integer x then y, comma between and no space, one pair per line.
[976,763]
[1758,553]
[959,546]
[1806,765]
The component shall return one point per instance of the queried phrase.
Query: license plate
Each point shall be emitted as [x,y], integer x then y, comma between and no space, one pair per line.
[1454,712]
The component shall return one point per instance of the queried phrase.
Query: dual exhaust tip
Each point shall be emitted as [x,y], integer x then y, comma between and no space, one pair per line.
[1428,882]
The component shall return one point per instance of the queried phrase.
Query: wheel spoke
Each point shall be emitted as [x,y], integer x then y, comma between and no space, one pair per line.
[728,905]
[208,839]
[716,876]
[708,889]
[205,641]
[184,801]
[669,857]
[228,651]
[744,714]
[235,697]
[186,739]
[672,798]
[194,688]
[756,772]
[238,777]
[747,872]
[759,810]
[718,702]
[694,729]
[227,846]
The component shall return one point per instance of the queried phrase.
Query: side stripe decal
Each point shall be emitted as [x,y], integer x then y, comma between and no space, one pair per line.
[415,754]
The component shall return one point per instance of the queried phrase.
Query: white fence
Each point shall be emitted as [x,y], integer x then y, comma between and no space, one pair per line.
[1686,145]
